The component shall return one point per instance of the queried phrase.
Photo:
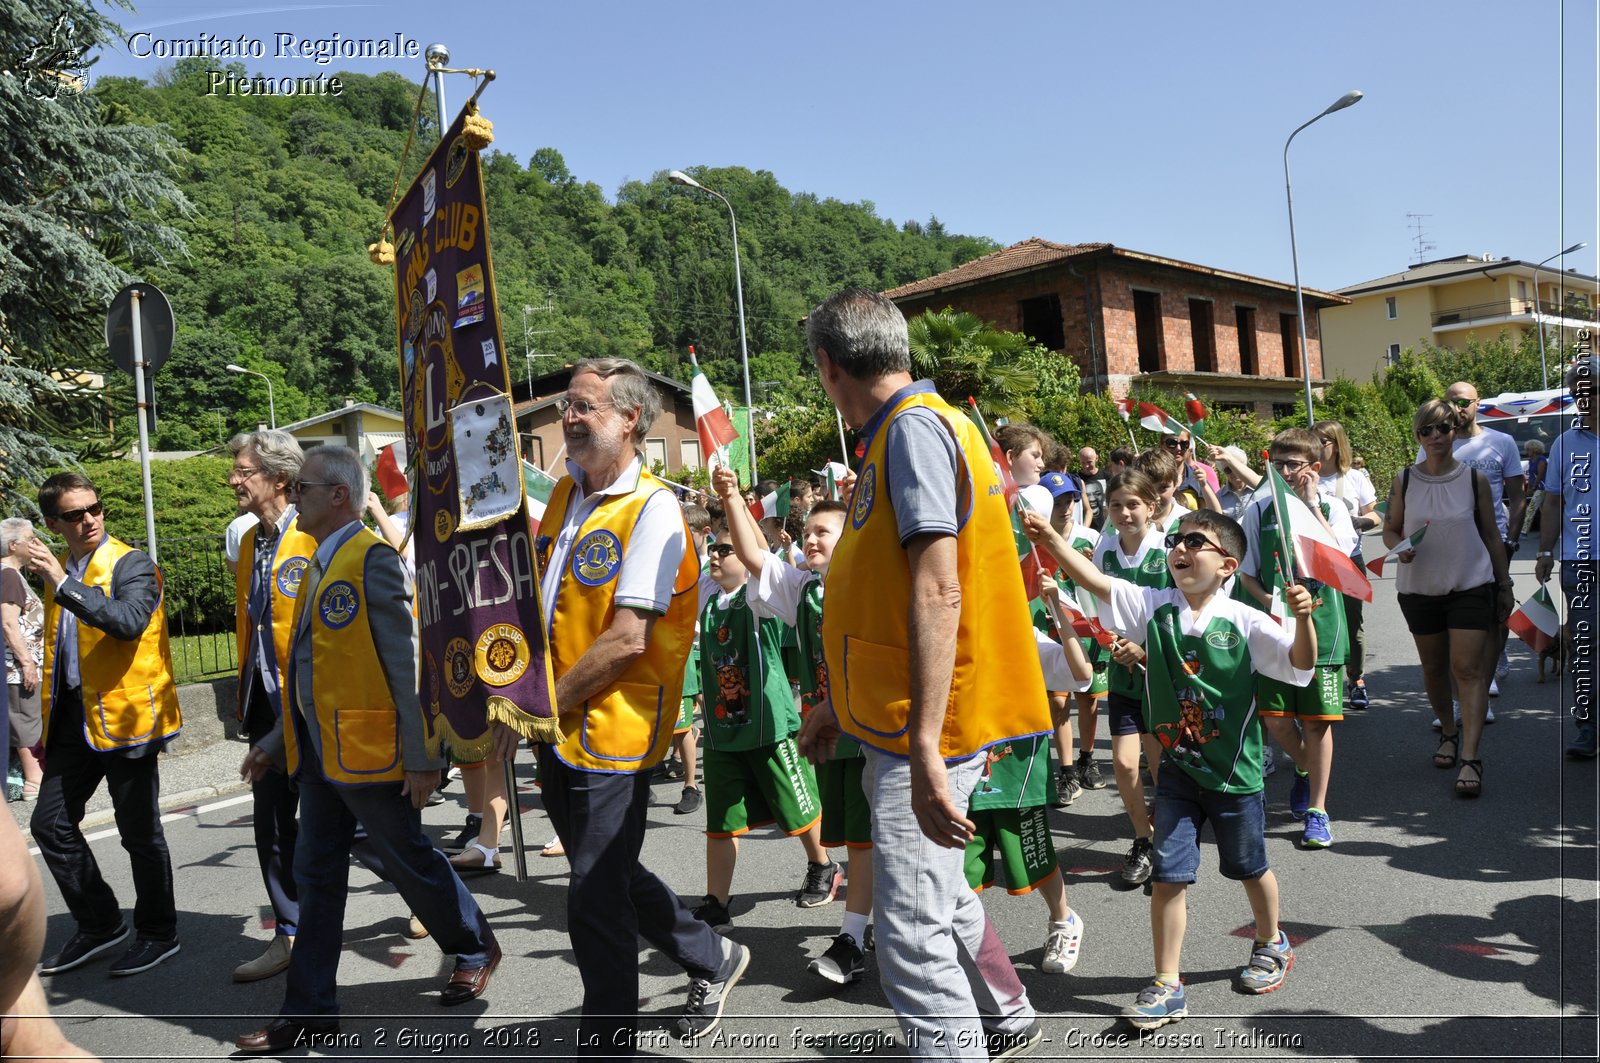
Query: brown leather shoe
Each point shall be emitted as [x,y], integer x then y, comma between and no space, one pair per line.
[280,1035]
[468,983]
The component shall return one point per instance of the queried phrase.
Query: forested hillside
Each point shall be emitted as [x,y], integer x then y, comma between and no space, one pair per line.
[286,193]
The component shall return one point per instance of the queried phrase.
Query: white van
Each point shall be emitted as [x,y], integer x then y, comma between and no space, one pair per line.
[1541,415]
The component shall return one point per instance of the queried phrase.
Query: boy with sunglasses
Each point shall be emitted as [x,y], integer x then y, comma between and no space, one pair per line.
[1296,454]
[1204,655]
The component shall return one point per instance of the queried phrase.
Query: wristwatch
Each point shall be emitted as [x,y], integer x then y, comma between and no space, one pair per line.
[1545,553]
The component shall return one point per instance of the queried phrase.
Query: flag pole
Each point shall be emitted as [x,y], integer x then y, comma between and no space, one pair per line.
[844,447]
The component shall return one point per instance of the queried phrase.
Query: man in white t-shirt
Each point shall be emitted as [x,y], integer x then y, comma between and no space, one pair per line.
[1494,454]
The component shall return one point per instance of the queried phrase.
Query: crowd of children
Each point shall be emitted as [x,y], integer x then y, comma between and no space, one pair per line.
[1160,622]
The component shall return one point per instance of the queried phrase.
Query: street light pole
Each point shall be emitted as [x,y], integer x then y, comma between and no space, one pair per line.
[678,177]
[272,407]
[1340,104]
[1538,317]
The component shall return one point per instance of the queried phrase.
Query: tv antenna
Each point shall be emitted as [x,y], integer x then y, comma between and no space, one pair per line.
[1419,238]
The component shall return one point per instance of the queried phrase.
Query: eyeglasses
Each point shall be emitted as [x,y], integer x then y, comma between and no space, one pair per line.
[1288,464]
[1192,541]
[1429,429]
[75,516]
[1462,404]
[242,473]
[581,407]
[720,550]
[1175,444]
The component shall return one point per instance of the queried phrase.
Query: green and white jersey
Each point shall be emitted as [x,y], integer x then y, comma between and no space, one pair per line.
[1263,545]
[1200,679]
[794,596]
[1017,775]
[1174,518]
[1146,567]
[747,697]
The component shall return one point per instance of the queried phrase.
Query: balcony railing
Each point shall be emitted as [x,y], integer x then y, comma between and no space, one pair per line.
[1573,310]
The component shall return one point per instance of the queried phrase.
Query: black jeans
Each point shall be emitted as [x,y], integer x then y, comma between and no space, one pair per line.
[72,773]
[612,901]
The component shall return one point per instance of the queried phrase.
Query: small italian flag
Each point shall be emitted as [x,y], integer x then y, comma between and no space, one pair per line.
[1032,564]
[1195,411]
[1535,621]
[773,504]
[711,421]
[391,470]
[832,475]
[1375,566]
[537,484]
[1311,549]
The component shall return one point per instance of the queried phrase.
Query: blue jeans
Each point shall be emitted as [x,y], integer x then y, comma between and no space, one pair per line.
[421,874]
[1239,822]
[928,918]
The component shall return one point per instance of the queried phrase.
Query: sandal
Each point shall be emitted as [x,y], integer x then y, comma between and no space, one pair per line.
[1470,787]
[1441,759]
[476,860]
[554,848]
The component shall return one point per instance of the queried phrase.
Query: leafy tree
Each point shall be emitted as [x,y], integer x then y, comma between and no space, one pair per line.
[83,195]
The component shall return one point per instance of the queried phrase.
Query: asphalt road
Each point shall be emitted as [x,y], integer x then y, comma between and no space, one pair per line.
[1434,928]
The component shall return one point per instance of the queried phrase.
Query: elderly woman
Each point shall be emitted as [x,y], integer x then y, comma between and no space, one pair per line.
[1533,455]
[1353,487]
[22,619]
[1454,587]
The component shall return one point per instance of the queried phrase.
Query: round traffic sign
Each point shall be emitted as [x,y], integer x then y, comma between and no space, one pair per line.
[155,327]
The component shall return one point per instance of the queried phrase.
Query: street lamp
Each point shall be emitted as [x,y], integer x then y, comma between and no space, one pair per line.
[678,177]
[272,407]
[1538,318]
[1340,104]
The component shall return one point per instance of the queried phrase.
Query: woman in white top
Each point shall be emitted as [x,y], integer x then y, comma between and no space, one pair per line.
[1447,583]
[1354,488]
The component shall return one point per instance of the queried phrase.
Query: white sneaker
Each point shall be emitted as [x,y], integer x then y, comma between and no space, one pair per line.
[1455,712]
[1503,669]
[1061,947]
[1494,691]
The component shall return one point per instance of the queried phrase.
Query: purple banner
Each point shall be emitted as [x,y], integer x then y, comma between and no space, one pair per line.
[483,651]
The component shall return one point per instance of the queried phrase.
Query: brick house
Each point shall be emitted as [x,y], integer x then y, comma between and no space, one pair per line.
[672,439]
[1121,314]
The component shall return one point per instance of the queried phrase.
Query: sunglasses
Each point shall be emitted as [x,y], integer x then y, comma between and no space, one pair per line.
[721,550]
[1175,444]
[1192,541]
[75,516]
[1462,404]
[1429,429]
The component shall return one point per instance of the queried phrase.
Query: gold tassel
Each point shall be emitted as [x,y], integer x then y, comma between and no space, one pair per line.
[504,710]
[477,132]
[381,253]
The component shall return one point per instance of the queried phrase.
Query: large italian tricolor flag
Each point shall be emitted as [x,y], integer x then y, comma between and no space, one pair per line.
[1313,552]
[711,421]
[1535,621]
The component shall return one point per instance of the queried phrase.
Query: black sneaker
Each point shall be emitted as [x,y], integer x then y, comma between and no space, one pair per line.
[843,963]
[82,948]
[707,996]
[689,802]
[1089,773]
[1067,786]
[820,885]
[1137,867]
[143,955]
[713,913]
[468,835]
[1011,1045]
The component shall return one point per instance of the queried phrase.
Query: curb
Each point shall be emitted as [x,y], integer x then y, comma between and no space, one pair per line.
[179,802]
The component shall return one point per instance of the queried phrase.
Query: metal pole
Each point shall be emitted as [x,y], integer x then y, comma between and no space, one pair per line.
[744,350]
[1538,324]
[438,55]
[144,432]
[1299,294]
[272,405]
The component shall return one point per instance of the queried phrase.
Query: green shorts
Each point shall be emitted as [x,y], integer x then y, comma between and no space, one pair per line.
[1320,699]
[846,816]
[686,714]
[754,787]
[1101,683]
[1026,848]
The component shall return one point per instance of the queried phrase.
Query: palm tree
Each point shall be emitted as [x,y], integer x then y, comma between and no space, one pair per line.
[963,355]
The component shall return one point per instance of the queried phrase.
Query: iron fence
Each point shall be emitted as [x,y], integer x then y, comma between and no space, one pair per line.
[199,594]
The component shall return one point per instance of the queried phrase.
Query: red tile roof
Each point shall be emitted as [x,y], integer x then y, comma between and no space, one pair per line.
[1029,254]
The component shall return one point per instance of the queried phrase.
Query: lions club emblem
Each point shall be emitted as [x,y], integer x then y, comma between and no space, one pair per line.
[289,576]
[338,604]
[596,558]
[866,491]
[502,655]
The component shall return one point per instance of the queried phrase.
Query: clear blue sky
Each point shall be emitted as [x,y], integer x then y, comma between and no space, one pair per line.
[1156,126]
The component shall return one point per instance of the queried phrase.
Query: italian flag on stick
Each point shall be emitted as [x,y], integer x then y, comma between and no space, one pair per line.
[391,470]
[1033,568]
[773,504]
[1535,621]
[710,419]
[1375,566]
[832,474]
[1151,416]
[1310,546]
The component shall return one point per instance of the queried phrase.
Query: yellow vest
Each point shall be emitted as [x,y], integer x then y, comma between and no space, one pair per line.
[357,718]
[292,555]
[628,726]
[129,698]
[996,694]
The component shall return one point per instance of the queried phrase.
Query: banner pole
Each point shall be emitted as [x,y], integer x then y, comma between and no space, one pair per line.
[844,447]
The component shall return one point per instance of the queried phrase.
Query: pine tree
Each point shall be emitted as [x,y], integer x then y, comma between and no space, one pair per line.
[82,197]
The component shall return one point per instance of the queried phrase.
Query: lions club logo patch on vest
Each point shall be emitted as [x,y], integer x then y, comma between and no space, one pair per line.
[866,493]
[290,575]
[338,604]
[596,558]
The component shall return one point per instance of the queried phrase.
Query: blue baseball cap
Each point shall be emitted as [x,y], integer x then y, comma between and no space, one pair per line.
[1060,483]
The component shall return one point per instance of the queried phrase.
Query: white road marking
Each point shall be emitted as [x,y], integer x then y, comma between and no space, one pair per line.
[188,813]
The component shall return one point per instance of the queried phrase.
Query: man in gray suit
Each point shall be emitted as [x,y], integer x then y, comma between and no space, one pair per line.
[355,742]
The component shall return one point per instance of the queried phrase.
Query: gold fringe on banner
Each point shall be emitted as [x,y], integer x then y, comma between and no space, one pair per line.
[504,710]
